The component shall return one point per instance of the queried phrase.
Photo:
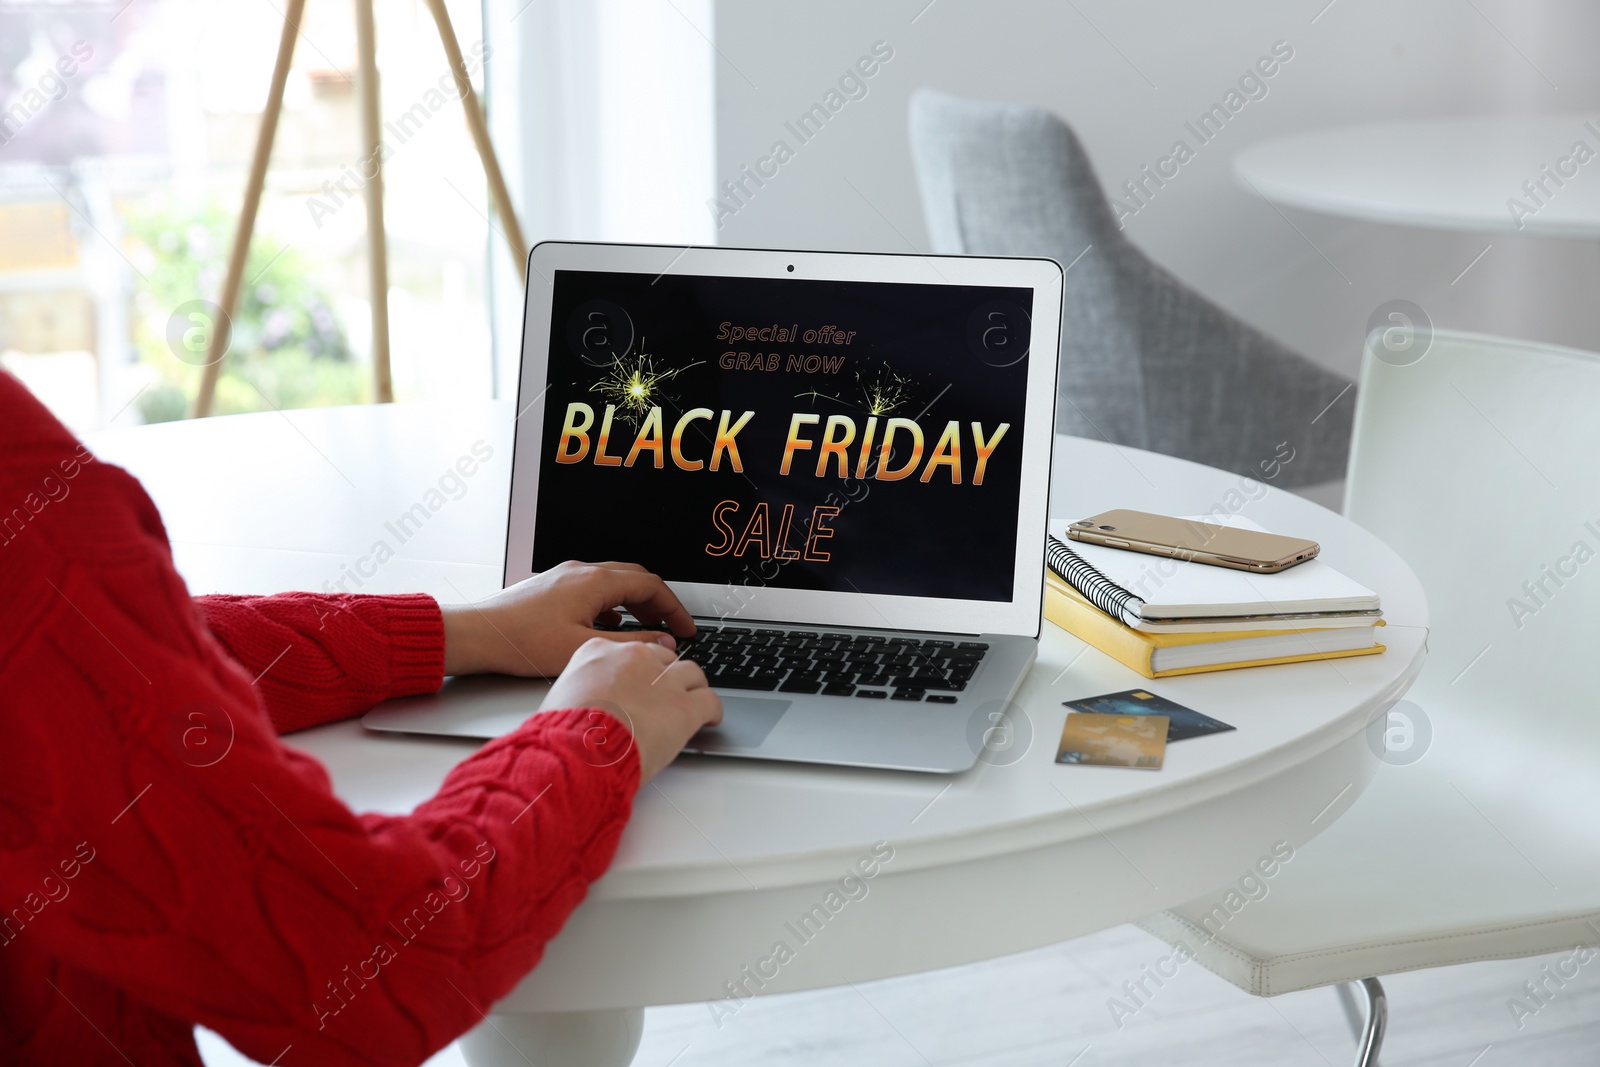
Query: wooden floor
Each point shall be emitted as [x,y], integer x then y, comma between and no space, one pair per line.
[1048,1008]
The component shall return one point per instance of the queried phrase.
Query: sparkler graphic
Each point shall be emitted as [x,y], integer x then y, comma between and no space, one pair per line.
[633,384]
[882,391]
[885,392]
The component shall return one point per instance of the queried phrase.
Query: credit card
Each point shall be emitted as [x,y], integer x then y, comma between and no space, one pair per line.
[1184,722]
[1113,740]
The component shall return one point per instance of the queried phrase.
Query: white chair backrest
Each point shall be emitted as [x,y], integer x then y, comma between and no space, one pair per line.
[1479,463]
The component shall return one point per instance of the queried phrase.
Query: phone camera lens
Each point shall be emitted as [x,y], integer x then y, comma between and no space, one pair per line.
[1085,522]
[791,268]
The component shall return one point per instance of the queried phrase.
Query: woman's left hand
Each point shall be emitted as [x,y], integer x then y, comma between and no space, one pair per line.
[534,627]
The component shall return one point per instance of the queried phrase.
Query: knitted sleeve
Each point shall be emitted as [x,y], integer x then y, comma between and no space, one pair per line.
[159,883]
[316,658]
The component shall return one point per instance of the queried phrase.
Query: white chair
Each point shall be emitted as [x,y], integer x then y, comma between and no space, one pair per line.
[1479,463]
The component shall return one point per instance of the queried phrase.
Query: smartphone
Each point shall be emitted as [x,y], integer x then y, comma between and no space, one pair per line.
[1190,539]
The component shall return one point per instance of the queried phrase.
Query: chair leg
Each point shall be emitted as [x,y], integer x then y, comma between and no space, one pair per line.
[1370,1036]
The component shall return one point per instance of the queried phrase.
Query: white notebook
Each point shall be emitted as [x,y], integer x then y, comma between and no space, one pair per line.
[1154,592]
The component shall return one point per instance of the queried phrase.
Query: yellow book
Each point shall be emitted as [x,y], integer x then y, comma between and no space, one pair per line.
[1167,654]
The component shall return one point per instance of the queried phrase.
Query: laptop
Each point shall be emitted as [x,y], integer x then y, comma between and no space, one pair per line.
[839,462]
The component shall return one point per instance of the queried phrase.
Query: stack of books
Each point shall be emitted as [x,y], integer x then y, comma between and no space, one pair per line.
[1162,616]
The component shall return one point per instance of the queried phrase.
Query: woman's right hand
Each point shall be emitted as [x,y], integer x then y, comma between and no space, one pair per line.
[662,699]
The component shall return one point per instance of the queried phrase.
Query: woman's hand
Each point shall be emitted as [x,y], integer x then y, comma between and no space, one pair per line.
[661,699]
[534,627]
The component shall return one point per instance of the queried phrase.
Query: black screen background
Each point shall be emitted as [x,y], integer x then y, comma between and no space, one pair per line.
[902,538]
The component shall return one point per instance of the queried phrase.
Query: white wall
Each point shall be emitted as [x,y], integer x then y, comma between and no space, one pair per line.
[603,112]
[1126,74]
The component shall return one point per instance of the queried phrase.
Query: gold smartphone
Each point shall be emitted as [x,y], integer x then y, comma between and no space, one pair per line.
[1190,539]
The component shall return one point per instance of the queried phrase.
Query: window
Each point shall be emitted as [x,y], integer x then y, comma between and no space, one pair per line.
[126,131]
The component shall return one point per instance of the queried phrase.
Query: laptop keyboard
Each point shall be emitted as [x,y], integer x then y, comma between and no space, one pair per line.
[832,664]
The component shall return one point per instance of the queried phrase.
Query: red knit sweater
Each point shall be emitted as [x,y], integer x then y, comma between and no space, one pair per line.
[166,860]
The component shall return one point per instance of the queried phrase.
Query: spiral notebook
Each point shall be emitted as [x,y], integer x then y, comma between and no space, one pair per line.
[1161,654]
[1157,594]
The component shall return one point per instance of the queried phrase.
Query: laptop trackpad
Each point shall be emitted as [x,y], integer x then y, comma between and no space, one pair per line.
[746,722]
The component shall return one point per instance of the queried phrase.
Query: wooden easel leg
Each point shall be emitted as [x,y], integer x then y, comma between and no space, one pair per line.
[371,169]
[372,173]
[268,131]
[480,137]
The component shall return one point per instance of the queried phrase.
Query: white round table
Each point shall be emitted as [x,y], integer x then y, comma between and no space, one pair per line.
[1449,173]
[723,858]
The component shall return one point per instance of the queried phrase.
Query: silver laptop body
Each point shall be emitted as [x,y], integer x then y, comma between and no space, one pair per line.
[812,449]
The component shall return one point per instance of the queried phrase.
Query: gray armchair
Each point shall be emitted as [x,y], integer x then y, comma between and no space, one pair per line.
[1145,360]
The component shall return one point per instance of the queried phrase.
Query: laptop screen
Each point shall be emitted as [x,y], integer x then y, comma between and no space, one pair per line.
[841,436]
